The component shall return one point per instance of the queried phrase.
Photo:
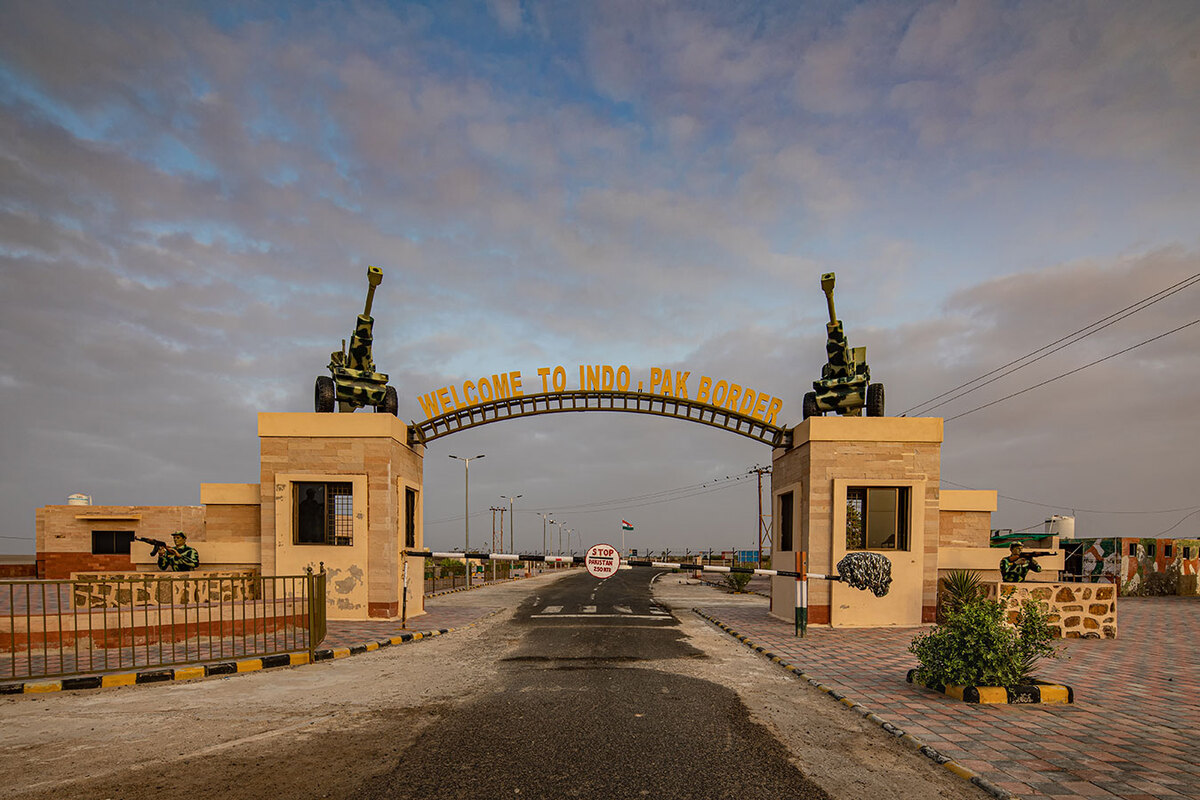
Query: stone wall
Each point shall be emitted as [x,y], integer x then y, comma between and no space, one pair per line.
[98,590]
[1075,610]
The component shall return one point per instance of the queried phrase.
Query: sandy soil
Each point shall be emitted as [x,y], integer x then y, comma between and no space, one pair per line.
[322,730]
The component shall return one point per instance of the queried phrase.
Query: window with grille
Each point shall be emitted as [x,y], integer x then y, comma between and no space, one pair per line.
[111,543]
[785,521]
[876,518]
[410,517]
[324,514]
[1132,549]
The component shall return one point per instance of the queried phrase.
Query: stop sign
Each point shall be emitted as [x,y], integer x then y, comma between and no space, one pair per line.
[602,560]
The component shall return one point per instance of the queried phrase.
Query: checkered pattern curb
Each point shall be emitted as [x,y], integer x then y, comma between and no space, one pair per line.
[920,746]
[1023,694]
[224,667]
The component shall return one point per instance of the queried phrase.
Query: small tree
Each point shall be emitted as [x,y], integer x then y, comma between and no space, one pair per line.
[974,646]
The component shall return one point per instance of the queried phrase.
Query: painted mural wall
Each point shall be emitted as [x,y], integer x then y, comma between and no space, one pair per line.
[1143,567]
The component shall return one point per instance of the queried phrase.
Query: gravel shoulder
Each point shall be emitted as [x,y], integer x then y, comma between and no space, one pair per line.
[326,729]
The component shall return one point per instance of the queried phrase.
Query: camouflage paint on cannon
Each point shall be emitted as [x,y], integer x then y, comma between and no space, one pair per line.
[354,382]
[845,386]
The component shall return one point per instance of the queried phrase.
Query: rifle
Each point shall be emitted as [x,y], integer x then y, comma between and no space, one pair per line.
[158,544]
[1038,553]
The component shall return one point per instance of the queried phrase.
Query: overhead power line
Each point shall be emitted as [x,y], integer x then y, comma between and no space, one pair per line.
[634,501]
[1072,372]
[1065,341]
[1075,509]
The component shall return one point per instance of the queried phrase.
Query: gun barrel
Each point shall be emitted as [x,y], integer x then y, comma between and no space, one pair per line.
[374,278]
[827,281]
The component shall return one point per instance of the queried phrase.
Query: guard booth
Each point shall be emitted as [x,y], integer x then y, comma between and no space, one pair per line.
[859,484]
[343,490]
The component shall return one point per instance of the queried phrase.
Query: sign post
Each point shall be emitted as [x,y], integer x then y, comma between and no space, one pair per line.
[602,561]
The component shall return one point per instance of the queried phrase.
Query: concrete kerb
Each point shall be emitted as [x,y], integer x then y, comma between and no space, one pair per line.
[920,746]
[193,672]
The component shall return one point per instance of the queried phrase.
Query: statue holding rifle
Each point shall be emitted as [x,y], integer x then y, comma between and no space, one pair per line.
[176,557]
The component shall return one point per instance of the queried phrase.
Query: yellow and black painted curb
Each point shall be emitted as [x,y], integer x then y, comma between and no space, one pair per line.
[1037,692]
[920,746]
[192,672]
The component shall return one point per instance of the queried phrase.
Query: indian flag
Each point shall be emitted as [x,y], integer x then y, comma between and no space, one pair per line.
[626,526]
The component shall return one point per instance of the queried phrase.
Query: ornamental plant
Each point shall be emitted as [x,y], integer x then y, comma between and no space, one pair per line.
[736,581]
[958,587]
[974,646]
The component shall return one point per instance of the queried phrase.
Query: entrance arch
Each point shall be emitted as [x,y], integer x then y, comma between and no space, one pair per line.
[580,400]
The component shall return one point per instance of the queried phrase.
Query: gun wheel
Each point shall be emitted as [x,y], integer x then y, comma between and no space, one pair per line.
[324,395]
[810,405]
[390,404]
[875,400]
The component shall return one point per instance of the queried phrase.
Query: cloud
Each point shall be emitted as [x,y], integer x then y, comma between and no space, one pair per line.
[190,197]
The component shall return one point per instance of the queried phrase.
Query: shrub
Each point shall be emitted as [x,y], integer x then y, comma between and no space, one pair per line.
[958,587]
[974,646]
[737,581]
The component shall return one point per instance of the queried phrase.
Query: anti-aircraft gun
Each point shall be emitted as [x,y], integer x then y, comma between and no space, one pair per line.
[845,385]
[355,383]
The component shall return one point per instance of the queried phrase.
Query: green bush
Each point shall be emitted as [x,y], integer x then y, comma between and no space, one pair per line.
[737,581]
[974,646]
[959,586]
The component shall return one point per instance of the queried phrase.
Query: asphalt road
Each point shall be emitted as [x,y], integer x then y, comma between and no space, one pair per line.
[586,706]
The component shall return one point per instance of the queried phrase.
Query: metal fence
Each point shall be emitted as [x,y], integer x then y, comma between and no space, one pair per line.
[109,623]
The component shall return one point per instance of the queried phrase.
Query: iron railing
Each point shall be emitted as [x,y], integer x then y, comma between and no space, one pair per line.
[113,623]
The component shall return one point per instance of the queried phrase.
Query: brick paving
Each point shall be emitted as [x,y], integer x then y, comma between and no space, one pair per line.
[1133,731]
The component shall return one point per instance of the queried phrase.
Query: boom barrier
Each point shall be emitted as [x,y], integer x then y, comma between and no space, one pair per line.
[625,563]
[860,570]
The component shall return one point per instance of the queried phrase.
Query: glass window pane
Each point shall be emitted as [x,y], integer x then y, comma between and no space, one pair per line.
[881,519]
[310,516]
[786,509]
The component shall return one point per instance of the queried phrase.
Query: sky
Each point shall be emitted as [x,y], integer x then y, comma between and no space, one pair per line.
[191,193]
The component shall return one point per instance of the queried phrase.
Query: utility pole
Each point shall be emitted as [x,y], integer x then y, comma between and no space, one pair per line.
[764,526]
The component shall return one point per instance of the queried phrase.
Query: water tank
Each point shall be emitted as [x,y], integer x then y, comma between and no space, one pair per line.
[79,500]
[1064,527]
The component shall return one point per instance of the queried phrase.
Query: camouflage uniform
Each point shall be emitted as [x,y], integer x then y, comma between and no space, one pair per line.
[1015,571]
[184,559]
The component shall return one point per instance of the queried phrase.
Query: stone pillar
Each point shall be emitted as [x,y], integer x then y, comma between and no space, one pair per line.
[829,457]
[368,454]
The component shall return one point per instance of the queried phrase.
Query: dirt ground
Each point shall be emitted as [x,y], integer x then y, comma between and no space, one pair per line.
[324,729]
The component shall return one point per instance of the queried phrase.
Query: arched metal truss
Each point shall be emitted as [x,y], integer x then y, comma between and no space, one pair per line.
[628,402]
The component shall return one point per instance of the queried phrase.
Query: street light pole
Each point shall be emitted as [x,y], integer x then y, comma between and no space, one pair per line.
[545,519]
[467,511]
[511,522]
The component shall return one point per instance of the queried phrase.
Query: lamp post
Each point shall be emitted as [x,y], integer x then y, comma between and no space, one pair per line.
[511,517]
[467,510]
[545,519]
[511,541]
